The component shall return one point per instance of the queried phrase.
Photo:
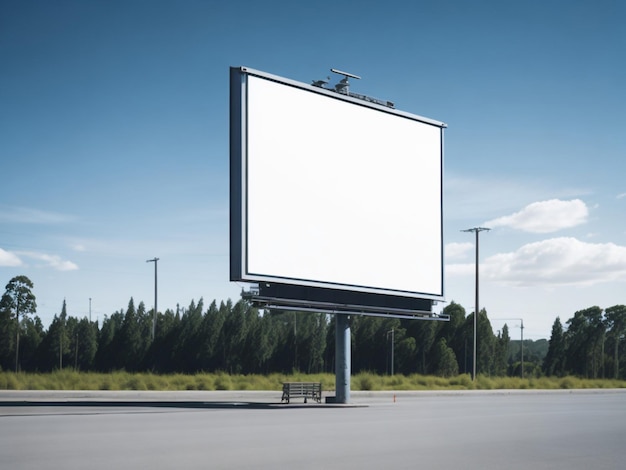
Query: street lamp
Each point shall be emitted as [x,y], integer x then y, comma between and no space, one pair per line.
[154,260]
[476,230]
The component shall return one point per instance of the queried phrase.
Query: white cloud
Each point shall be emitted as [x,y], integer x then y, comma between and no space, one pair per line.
[9,259]
[558,261]
[51,261]
[482,198]
[460,269]
[621,196]
[458,250]
[545,216]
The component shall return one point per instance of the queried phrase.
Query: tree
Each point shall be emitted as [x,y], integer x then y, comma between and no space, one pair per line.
[406,353]
[159,355]
[616,322]
[85,344]
[57,340]
[108,343]
[423,333]
[485,344]
[18,298]
[329,356]
[262,343]
[373,343]
[455,334]
[501,356]
[209,333]
[485,341]
[312,342]
[187,344]
[445,360]
[554,362]
[233,336]
[30,339]
[7,337]
[131,352]
[583,342]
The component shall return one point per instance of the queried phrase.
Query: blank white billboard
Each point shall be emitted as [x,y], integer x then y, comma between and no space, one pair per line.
[333,192]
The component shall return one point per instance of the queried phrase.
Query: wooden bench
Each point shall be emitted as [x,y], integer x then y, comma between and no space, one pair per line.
[302,389]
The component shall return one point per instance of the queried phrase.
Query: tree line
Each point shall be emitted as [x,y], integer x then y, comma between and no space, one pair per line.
[239,338]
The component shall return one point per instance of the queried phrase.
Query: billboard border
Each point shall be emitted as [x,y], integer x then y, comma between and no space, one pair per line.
[239,181]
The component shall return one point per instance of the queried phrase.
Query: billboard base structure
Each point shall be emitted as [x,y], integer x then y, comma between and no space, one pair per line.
[342,304]
[343,360]
[277,296]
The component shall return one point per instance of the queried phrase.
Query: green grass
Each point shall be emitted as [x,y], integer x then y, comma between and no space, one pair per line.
[72,380]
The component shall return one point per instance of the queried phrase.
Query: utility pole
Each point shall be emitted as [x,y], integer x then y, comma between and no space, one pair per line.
[476,230]
[154,260]
[89,309]
[522,344]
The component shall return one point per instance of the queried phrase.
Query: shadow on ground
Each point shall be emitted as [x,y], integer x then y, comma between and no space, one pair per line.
[239,405]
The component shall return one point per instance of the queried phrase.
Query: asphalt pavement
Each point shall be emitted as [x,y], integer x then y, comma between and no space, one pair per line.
[252,430]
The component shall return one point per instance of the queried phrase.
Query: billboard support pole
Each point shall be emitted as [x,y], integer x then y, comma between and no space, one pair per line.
[342,358]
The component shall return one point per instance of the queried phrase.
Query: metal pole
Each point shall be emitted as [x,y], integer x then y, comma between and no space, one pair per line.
[522,338]
[476,307]
[476,230]
[17,342]
[89,309]
[343,358]
[154,260]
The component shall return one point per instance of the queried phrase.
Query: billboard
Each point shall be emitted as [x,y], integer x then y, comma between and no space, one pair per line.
[333,193]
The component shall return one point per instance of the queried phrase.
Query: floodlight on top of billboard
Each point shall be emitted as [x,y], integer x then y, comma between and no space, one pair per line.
[328,191]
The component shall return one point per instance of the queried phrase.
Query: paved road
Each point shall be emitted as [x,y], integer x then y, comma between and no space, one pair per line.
[476,430]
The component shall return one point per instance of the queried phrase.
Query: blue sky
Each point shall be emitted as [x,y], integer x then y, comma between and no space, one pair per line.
[114,140]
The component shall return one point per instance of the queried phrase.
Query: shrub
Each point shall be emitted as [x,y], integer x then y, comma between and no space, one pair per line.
[223,382]
[461,382]
[567,382]
[121,380]
[364,382]
[8,381]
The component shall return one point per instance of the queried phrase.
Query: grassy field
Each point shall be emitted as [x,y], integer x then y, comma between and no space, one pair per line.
[72,380]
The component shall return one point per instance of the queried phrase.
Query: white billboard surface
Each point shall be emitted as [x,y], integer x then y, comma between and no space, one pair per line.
[339,194]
